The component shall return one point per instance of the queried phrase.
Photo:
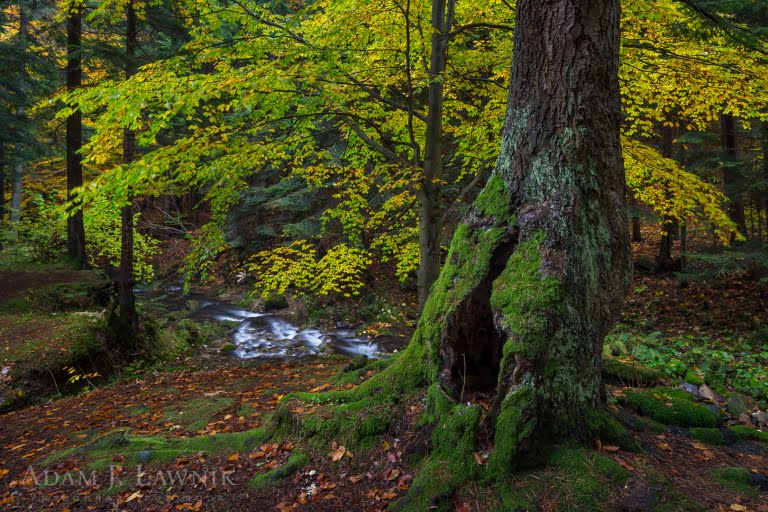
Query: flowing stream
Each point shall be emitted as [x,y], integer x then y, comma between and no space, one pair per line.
[270,335]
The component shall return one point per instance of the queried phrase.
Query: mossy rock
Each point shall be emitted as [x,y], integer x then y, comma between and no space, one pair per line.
[100,452]
[693,376]
[736,479]
[640,423]
[749,434]
[660,406]
[707,435]
[295,462]
[624,373]
[228,347]
[275,301]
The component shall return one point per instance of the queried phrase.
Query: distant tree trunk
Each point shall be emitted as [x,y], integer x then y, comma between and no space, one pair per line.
[75,226]
[2,190]
[664,261]
[125,279]
[539,266]
[637,236]
[733,181]
[16,190]
[18,170]
[429,195]
[764,191]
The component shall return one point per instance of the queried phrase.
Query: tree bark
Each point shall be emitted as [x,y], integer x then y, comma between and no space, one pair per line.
[637,235]
[128,319]
[664,261]
[539,266]
[74,139]
[16,189]
[733,181]
[429,195]
[764,192]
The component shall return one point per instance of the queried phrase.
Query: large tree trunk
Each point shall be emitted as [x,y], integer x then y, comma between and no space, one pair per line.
[75,226]
[733,181]
[429,195]
[125,279]
[539,266]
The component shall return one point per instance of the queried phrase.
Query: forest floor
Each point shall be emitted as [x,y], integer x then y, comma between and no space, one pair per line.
[191,435]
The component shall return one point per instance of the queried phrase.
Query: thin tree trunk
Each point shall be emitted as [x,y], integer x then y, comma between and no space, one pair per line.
[429,195]
[125,276]
[539,266]
[733,181]
[75,227]
[16,190]
[637,236]
[764,191]
[664,261]
[18,170]
[2,190]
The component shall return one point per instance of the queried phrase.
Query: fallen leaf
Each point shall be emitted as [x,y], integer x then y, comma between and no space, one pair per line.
[478,459]
[134,496]
[610,448]
[337,453]
[394,473]
[234,457]
[738,508]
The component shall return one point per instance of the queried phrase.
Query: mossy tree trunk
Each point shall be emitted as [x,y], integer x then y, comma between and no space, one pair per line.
[539,266]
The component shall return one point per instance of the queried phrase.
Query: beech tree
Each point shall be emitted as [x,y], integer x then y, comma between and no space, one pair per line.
[537,269]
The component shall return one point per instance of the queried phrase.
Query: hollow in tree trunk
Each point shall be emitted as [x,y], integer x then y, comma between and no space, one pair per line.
[539,266]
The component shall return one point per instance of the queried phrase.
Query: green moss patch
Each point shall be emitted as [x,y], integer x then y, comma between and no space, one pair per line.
[659,405]
[101,451]
[198,412]
[631,374]
[749,434]
[295,462]
[736,479]
[573,479]
[707,435]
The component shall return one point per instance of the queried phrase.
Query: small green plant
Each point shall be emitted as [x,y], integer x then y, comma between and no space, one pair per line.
[76,375]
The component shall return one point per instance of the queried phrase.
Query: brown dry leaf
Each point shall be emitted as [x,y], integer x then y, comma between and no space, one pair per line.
[462,507]
[356,478]
[665,447]
[610,448]
[389,495]
[699,446]
[337,453]
[478,459]
[738,508]
[322,387]
[4,472]
[706,455]
[393,473]
[385,446]
[134,496]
